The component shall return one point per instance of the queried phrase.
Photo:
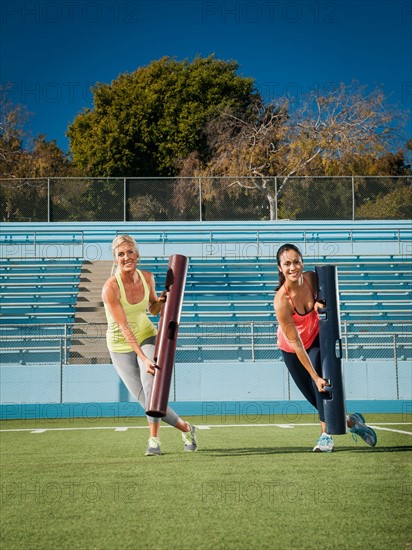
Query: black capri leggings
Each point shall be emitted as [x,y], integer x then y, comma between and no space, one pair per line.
[302,378]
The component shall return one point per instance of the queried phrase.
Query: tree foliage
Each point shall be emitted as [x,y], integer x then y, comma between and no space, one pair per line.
[396,204]
[22,158]
[209,128]
[12,121]
[331,133]
[147,122]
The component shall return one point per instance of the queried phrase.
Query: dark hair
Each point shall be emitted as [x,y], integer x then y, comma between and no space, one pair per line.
[281,250]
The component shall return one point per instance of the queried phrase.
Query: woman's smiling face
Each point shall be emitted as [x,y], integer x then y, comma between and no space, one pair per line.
[291,265]
[126,257]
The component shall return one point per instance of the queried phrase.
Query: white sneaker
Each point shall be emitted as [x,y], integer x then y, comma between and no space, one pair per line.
[153,447]
[189,439]
[324,444]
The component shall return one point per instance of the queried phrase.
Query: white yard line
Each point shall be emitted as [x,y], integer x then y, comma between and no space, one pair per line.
[377,426]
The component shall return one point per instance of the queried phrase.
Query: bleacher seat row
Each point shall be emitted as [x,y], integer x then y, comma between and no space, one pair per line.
[49,284]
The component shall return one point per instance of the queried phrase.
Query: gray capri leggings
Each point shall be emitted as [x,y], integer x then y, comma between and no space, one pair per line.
[133,373]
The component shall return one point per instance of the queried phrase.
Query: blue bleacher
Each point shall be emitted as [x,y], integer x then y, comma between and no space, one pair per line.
[370,288]
[42,292]
[38,299]
[375,297]
[38,295]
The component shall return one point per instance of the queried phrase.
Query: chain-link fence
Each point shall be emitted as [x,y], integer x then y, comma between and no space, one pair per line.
[205,199]
[69,363]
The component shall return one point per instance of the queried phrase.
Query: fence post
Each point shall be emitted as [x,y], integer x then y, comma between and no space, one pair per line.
[200,199]
[61,370]
[276,198]
[48,200]
[395,356]
[252,334]
[124,199]
[174,382]
[65,344]
[345,335]
[353,197]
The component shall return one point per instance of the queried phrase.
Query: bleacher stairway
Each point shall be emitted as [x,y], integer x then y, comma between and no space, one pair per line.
[87,346]
[89,306]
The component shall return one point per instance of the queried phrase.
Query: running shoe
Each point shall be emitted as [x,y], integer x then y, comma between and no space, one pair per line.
[153,447]
[324,444]
[362,430]
[189,439]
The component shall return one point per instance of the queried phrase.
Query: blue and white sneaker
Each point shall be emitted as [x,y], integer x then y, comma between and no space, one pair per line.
[324,444]
[153,447]
[362,430]
[189,439]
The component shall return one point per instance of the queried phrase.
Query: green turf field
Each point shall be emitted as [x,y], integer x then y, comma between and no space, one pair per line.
[248,486]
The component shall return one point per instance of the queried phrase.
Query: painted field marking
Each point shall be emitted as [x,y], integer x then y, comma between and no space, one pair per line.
[377,426]
[390,430]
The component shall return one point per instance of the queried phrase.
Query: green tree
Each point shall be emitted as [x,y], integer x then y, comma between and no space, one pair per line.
[147,122]
[44,159]
[12,121]
[21,158]
[395,205]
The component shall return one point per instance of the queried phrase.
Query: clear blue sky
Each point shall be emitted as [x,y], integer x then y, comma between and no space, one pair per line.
[53,51]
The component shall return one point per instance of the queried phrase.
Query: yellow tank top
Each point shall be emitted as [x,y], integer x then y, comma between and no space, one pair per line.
[139,322]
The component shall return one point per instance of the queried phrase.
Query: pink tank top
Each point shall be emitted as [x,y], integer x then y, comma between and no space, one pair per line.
[307,326]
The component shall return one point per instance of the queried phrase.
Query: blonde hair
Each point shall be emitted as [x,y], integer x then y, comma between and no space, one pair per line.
[118,241]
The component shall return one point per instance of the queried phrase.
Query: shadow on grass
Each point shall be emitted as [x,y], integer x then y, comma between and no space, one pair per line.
[249,451]
[397,449]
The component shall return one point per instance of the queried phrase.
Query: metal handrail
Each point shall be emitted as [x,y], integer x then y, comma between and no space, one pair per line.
[260,238]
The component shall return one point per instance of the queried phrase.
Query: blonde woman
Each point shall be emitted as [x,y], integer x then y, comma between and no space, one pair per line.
[127,296]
